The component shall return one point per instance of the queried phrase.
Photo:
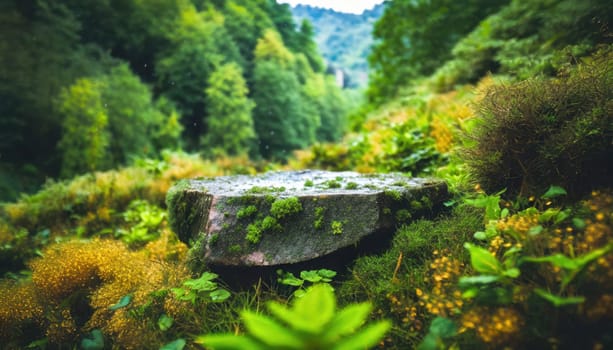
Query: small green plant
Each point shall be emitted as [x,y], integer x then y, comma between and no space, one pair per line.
[285,207]
[246,212]
[393,194]
[144,220]
[319,217]
[203,288]
[254,233]
[332,184]
[312,322]
[351,186]
[308,183]
[321,276]
[262,189]
[337,227]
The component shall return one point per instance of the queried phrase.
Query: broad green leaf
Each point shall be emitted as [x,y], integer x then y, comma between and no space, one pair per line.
[482,260]
[443,327]
[535,230]
[311,276]
[94,341]
[204,283]
[317,306]
[557,300]
[289,279]
[346,321]
[593,255]
[480,235]
[561,216]
[430,342]
[579,223]
[559,260]
[184,294]
[365,338]
[554,191]
[200,285]
[228,342]
[269,331]
[219,295]
[123,302]
[477,280]
[504,213]
[548,215]
[288,316]
[178,344]
[470,293]
[165,322]
[325,273]
[512,272]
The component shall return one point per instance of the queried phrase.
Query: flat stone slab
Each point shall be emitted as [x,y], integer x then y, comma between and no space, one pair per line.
[289,217]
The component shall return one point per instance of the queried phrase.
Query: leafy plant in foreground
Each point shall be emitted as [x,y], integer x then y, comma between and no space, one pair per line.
[321,276]
[204,286]
[541,275]
[312,322]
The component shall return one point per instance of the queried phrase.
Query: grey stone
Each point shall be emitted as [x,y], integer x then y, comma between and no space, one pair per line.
[289,217]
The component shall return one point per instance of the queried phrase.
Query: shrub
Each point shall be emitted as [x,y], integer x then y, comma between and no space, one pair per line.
[77,286]
[546,131]
[542,276]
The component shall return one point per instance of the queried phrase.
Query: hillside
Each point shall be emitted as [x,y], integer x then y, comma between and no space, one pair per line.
[343,39]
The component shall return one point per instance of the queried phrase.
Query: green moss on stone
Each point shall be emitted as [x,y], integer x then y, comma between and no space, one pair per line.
[393,194]
[403,215]
[308,183]
[337,227]
[416,205]
[285,207]
[246,212]
[319,217]
[262,189]
[235,249]
[254,233]
[332,184]
[351,186]
[213,239]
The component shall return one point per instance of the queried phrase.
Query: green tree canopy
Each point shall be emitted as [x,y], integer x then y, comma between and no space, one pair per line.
[230,125]
[85,139]
[416,36]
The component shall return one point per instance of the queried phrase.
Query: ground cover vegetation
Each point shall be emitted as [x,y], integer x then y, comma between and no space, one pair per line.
[514,113]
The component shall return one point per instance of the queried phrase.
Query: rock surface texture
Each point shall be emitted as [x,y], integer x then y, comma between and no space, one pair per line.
[289,217]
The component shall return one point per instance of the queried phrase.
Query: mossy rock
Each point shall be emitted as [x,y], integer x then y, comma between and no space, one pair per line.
[288,217]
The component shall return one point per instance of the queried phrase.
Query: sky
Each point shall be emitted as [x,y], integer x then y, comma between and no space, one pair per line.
[350,6]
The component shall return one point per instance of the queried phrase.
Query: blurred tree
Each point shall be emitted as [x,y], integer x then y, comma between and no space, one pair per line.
[200,44]
[39,54]
[308,47]
[135,124]
[245,21]
[331,105]
[85,139]
[416,36]
[230,125]
[283,119]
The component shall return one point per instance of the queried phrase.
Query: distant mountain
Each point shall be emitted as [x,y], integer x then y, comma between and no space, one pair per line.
[344,39]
